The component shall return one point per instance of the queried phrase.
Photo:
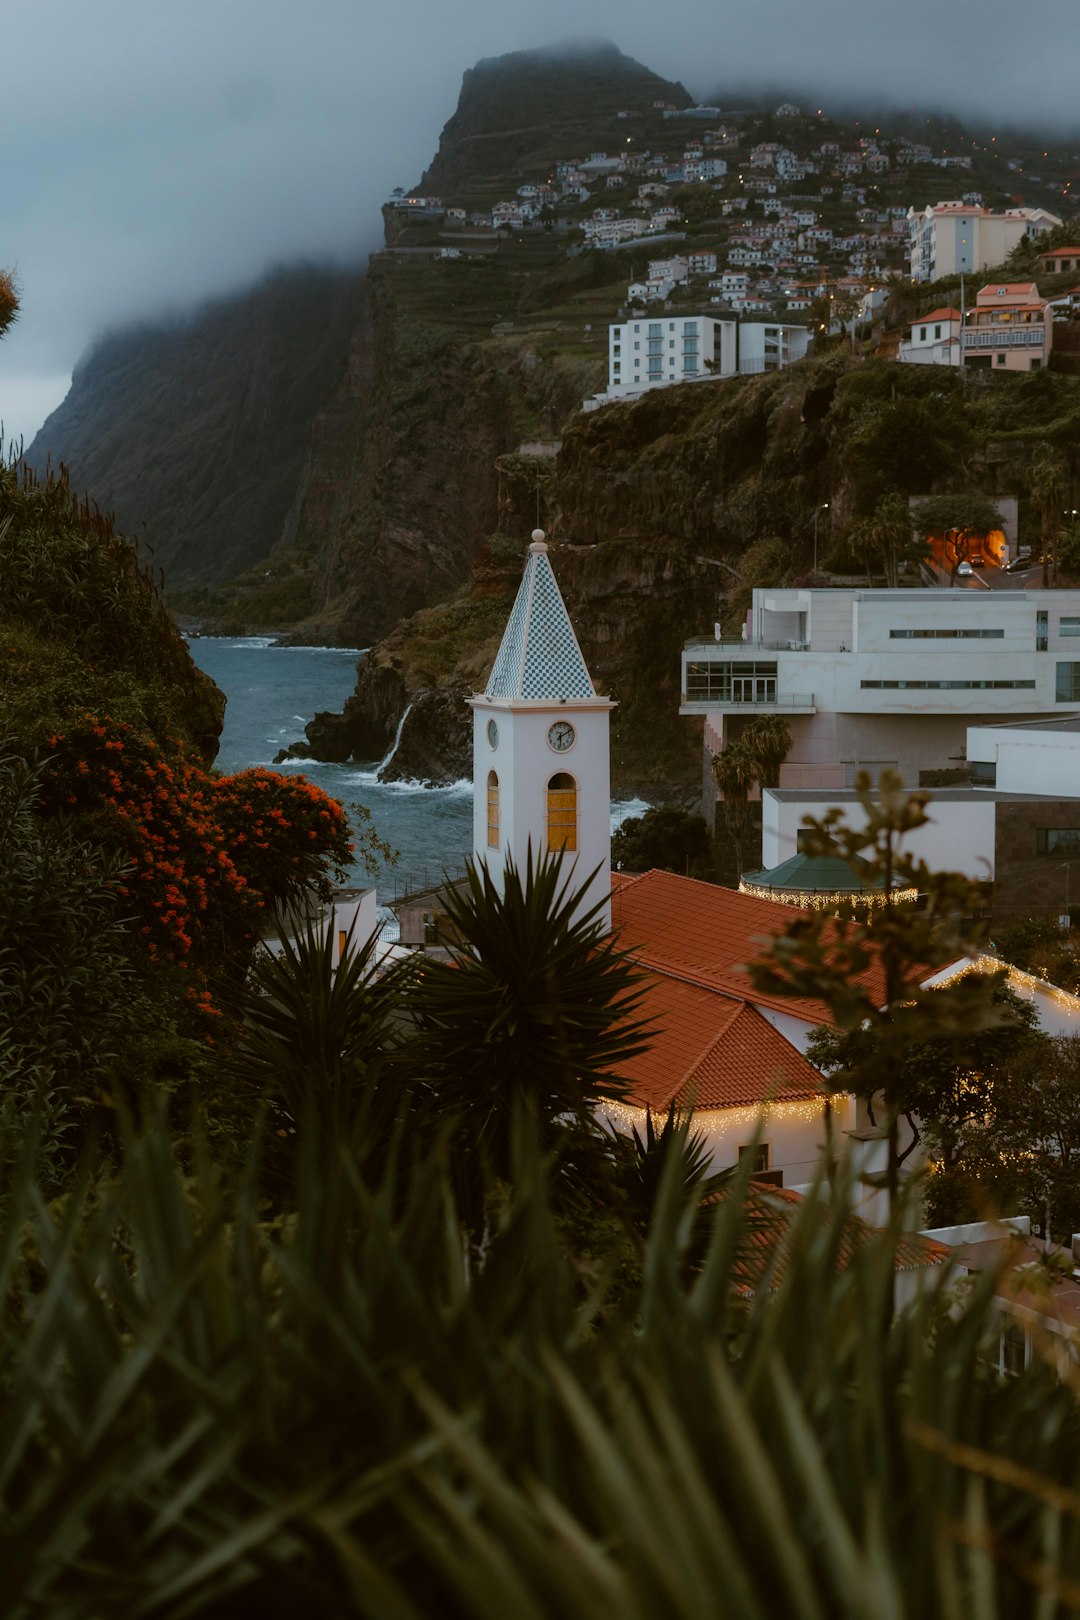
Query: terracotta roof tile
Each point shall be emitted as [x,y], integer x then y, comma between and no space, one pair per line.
[712,1051]
[770,1212]
[707,935]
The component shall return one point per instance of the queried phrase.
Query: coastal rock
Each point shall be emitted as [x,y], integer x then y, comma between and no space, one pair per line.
[435,746]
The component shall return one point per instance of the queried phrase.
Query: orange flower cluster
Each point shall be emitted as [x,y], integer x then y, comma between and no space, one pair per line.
[206,854]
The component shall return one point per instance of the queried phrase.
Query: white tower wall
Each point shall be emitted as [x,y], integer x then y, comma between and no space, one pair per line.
[540,682]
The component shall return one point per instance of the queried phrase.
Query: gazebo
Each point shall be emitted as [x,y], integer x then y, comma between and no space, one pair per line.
[821,883]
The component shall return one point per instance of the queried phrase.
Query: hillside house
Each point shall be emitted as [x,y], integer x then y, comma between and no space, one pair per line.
[934,339]
[1010,329]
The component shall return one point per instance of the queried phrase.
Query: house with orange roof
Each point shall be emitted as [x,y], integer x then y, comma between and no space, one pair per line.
[732,1053]
[1060,261]
[933,339]
[1010,329]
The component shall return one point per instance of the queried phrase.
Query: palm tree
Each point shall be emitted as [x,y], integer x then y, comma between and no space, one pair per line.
[530,1018]
[768,737]
[736,771]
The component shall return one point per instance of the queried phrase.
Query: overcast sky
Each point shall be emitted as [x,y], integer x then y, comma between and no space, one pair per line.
[157,151]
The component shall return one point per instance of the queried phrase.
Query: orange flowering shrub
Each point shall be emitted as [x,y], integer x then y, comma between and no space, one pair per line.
[206,855]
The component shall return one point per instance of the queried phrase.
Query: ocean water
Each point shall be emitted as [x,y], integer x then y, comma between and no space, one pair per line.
[273,691]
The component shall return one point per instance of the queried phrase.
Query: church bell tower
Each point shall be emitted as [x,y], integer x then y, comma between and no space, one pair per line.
[541,752]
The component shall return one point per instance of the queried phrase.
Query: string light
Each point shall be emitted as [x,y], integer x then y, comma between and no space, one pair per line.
[718,1123]
[1030,981]
[823,900]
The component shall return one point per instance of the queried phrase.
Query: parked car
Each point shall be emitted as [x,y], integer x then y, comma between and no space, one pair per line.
[1019,565]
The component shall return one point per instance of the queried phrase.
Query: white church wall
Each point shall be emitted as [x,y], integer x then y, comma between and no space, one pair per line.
[794,1132]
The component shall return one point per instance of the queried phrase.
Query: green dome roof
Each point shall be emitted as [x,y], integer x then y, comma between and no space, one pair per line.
[816,874]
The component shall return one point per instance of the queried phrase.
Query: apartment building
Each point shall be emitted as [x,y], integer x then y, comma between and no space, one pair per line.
[947,238]
[869,679]
[646,354]
[1010,329]
[652,353]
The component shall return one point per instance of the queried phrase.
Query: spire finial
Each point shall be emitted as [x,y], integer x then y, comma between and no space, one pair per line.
[539,541]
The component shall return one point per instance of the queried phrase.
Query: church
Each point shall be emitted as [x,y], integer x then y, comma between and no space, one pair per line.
[541,778]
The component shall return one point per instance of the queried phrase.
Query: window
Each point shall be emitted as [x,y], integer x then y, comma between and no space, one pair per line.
[758,1153]
[1067,688]
[617,349]
[1036,365]
[1000,359]
[922,334]
[937,331]
[656,329]
[1057,841]
[492,811]
[946,635]
[562,812]
[983,773]
[1042,629]
[953,686]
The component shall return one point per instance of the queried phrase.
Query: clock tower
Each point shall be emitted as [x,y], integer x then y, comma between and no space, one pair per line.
[541,755]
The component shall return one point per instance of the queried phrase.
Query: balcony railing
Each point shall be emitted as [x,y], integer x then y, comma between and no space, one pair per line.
[742,649]
[998,337]
[720,695]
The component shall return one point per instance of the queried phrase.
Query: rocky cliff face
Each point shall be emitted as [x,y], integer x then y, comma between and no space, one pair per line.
[665,512]
[197,429]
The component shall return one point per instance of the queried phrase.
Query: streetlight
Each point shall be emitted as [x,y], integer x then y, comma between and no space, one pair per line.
[824,507]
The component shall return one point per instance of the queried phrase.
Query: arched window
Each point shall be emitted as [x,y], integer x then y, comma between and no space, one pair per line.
[493,810]
[562,812]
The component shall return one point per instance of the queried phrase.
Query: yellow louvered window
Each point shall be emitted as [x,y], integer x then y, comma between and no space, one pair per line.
[562,812]
[493,810]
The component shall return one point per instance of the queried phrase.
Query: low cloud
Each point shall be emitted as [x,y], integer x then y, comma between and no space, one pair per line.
[159,153]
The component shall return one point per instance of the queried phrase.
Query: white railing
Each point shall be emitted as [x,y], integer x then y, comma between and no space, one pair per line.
[1007,337]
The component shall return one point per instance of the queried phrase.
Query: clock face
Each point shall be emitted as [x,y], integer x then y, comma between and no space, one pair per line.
[493,734]
[561,736]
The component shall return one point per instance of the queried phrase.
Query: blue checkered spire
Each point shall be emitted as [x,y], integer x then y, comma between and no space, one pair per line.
[539,657]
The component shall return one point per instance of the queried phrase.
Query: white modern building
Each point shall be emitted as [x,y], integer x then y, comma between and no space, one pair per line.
[770,346]
[947,238]
[869,679]
[655,351]
[1015,826]
[649,353]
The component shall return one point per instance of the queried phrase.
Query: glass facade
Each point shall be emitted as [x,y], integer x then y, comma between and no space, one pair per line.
[731,681]
[1067,684]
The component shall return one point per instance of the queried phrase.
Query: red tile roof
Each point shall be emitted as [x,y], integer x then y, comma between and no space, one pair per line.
[713,1048]
[706,935]
[712,1051]
[765,1240]
[937,315]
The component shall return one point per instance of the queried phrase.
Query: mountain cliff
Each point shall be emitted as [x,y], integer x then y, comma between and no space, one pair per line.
[197,428]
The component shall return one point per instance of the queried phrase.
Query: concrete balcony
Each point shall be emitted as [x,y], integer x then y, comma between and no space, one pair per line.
[1003,337]
[698,700]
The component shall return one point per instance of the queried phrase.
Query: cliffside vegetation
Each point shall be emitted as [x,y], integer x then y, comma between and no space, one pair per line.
[134,880]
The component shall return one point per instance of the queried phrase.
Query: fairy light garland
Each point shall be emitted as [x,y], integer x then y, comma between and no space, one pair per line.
[824,900]
[984,964]
[719,1122]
